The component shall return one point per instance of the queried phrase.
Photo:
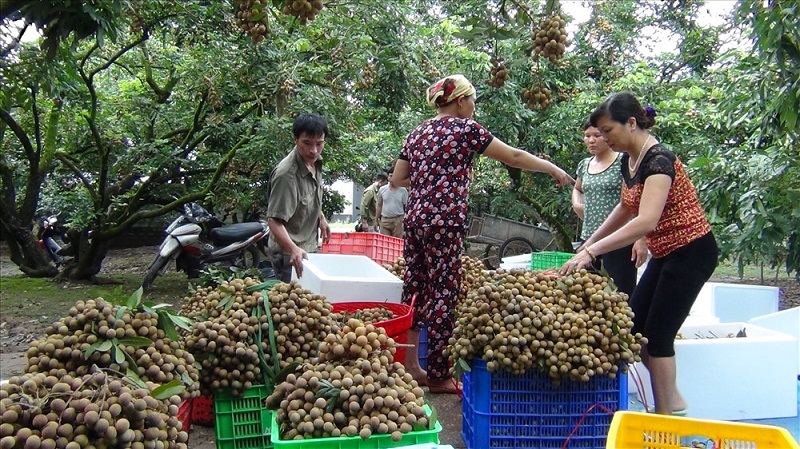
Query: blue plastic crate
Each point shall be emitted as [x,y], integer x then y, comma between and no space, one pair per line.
[423,347]
[501,410]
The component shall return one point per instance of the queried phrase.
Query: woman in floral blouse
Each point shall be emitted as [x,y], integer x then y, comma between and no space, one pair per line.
[436,164]
[659,202]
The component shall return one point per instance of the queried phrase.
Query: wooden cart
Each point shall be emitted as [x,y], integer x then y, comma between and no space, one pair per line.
[505,238]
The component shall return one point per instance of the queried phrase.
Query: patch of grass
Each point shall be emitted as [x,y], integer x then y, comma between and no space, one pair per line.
[23,298]
[730,269]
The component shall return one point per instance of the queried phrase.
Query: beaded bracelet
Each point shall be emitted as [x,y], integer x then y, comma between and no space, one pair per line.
[586,248]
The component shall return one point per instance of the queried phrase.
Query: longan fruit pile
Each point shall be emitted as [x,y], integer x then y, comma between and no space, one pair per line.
[356,389]
[304,10]
[227,350]
[302,320]
[367,316]
[208,300]
[550,40]
[63,349]
[498,74]
[397,268]
[252,18]
[93,410]
[227,342]
[571,327]
[355,340]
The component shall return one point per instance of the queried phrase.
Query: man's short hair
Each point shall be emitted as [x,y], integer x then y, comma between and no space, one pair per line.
[311,124]
[381,176]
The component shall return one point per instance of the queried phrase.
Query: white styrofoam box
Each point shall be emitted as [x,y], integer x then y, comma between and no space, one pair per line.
[347,278]
[734,378]
[704,303]
[786,321]
[519,258]
[512,265]
[700,320]
[740,302]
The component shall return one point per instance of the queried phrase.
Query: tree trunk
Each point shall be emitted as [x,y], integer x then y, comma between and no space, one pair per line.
[26,253]
[89,256]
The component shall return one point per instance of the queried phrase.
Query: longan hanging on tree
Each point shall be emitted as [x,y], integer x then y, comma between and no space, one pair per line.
[537,97]
[304,10]
[550,39]
[498,74]
[252,18]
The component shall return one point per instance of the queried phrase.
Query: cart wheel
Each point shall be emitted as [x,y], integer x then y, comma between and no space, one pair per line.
[516,246]
[491,256]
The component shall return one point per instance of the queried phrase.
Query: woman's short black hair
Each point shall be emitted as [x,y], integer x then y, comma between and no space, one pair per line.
[620,107]
[311,124]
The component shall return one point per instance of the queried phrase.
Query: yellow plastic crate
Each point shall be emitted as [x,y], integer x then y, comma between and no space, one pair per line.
[634,430]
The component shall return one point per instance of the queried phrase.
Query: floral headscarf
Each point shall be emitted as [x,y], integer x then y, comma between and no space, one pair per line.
[448,90]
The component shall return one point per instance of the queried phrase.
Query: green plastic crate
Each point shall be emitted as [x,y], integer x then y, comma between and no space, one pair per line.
[549,259]
[374,442]
[242,422]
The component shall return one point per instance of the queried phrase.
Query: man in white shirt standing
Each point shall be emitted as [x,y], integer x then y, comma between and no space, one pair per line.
[391,207]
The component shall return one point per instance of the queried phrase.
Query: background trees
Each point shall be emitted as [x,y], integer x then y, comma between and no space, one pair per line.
[145,104]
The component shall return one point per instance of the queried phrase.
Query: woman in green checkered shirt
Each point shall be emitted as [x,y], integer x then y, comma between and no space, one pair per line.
[597,190]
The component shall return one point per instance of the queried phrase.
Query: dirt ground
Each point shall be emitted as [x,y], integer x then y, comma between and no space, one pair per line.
[16,334]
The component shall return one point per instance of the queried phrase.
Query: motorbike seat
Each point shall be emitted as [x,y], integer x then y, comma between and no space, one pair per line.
[234,232]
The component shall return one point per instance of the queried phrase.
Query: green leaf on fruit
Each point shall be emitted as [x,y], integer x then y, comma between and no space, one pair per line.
[168,390]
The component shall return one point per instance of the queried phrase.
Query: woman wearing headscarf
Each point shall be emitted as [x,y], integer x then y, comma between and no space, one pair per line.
[436,164]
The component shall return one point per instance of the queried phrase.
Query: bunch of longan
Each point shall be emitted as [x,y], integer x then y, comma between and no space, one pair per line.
[302,320]
[94,410]
[571,327]
[367,315]
[96,332]
[537,96]
[234,339]
[550,40]
[498,74]
[356,389]
[304,10]
[252,18]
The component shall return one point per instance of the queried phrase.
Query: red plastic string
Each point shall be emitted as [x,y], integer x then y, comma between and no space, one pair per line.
[580,421]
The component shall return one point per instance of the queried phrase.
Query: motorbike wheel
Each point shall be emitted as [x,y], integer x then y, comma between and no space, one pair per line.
[250,258]
[153,271]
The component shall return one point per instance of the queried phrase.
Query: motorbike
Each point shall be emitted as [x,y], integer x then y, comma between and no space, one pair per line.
[54,241]
[240,244]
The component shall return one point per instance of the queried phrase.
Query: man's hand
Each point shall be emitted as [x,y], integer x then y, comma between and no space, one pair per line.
[324,229]
[296,259]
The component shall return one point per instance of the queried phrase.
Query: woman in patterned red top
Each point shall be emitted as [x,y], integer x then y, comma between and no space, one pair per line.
[659,202]
[436,164]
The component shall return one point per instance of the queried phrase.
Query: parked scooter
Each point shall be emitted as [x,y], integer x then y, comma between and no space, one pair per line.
[54,241]
[240,245]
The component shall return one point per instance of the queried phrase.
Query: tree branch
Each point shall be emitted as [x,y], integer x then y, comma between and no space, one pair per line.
[18,132]
[64,158]
[162,94]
